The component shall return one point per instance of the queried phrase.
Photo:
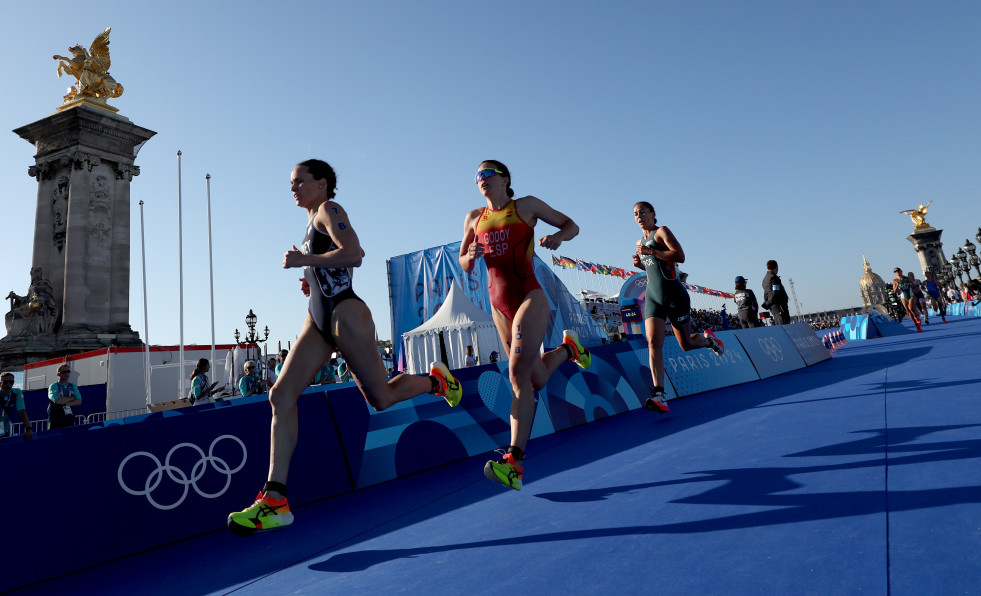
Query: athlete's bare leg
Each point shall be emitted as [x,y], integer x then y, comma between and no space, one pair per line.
[528,370]
[688,340]
[354,330]
[654,327]
[302,363]
[355,333]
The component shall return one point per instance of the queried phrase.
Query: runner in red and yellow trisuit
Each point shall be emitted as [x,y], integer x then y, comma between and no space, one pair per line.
[502,233]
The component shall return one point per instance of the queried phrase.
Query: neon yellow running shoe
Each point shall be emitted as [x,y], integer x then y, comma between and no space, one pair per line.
[504,471]
[450,389]
[582,356]
[263,515]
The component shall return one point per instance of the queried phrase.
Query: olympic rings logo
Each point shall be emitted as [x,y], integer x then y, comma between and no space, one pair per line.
[771,348]
[178,475]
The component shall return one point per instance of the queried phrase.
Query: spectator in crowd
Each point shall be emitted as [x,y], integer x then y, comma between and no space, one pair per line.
[493,356]
[775,297]
[201,391]
[343,373]
[271,372]
[966,295]
[11,403]
[746,303]
[953,295]
[63,396]
[471,359]
[325,374]
[250,383]
[282,359]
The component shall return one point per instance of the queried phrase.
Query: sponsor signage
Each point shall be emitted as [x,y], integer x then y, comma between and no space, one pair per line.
[810,348]
[771,350]
[701,370]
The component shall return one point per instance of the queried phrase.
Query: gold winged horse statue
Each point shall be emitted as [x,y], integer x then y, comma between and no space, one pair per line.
[91,71]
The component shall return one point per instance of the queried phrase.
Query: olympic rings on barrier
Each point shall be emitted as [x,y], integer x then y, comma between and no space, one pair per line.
[771,348]
[155,477]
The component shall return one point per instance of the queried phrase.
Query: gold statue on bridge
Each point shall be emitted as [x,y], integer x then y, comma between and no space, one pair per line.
[91,71]
[919,217]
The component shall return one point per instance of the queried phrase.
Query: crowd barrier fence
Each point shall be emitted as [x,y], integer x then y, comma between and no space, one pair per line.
[143,481]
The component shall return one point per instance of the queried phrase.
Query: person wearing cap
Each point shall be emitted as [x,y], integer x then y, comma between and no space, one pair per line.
[493,356]
[64,395]
[745,300]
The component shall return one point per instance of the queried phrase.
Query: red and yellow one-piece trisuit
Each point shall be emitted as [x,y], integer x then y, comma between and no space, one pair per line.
[508,251]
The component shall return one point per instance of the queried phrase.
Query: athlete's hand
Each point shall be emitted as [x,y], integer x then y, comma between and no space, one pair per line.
[292,258]
[476,250]
[637,262]
[549,242]
[305,287]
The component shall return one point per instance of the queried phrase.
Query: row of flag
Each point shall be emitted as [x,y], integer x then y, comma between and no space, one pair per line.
[567,263]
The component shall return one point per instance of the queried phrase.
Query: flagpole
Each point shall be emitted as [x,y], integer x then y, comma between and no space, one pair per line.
[146,324]
[180,268]
[211,272]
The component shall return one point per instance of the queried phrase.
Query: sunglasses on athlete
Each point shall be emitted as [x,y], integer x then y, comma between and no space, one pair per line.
[486,173]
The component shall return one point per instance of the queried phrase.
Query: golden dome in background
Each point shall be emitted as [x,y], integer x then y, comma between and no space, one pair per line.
[872,287]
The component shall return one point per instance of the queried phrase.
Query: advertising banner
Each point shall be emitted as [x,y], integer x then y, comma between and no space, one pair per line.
[179,472]
[810,348]
[770,349]
[701,370]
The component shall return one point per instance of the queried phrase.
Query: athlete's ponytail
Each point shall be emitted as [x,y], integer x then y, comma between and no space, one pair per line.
[499,166]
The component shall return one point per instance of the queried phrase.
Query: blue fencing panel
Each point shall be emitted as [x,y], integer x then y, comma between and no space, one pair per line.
[701,370]
[179,473]
[424,432]
[855,327]
[810,348]
[883,326]
[771,350]
[615,383]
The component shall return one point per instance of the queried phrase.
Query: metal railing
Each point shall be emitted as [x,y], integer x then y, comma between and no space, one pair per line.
[17,428]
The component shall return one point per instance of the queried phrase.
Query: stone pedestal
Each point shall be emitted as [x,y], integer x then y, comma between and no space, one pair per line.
[929,248]
[84,164]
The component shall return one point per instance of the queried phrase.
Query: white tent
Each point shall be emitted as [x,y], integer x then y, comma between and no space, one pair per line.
[462,324]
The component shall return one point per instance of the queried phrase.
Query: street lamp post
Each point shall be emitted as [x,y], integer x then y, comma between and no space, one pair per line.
[973,258]
[251,337]
[965,267]
[957,269]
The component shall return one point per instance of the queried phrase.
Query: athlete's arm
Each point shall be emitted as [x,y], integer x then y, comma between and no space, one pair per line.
[332,219]
[470,249]
[674,253]
[532,209]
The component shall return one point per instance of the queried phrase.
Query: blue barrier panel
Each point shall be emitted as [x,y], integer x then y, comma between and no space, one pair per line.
[424,432]
[855,327]
[615,383]
[885,327]
[810,348]
[638,371]
[771,350]
[701,370]
[139,483]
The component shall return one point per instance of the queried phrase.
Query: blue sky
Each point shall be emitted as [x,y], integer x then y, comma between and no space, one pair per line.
[794,130]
